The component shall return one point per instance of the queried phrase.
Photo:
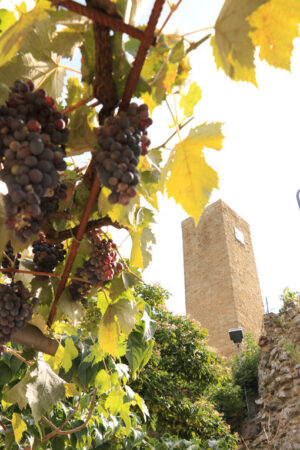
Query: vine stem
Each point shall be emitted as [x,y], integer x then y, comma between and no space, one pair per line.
[197,31]
[173,9]
[70,68]
[16,354]
[77,105]
[74,430]
[43,274]
[74,247]
[141,54]
[3,426]
[180,126]
[103,19]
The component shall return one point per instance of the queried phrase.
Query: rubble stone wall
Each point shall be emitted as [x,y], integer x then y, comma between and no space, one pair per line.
[278,421]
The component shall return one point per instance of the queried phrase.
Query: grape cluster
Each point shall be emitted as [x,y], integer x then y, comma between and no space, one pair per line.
[91,319]
[10,260]
[32,138]
[46,256]
[98,269]
[16,307]
[122,139]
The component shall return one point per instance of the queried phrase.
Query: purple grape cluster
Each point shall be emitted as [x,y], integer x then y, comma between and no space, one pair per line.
[122,139]
[16,307]
[10,259]
[100,268]
[46,256]
[32,138]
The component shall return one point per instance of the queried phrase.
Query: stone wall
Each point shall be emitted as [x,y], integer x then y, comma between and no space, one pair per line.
[221,283]
[278,421]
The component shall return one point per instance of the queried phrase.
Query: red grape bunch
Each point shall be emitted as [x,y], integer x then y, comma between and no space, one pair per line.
[100,268]
[122,139]
[10,260]
[32,138]
[16,307]
[46,256]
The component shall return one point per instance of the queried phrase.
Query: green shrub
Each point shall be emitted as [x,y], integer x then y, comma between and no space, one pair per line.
[179,372]
[247,374]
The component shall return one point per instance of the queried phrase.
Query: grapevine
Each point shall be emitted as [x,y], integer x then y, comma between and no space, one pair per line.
[122,139]
[100,268]
[46,256]
[32,138]
[10,260]
[16,307]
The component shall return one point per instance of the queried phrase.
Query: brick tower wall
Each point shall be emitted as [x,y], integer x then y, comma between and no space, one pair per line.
[221,282]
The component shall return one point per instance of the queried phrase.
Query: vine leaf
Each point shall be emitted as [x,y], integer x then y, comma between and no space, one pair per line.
[177,52]
[164,81]
[82,120]
[191,179]
[17,394]
[114,401]
[88,56]
[189,101]
[102,381]
[44,389]
[12,39]
[149,325]
[275,25]
[142,239]
[7,19]
[232,46]
[45,74]
[70,353]
[19,426]
[119,317]
[124,215]
[138,351]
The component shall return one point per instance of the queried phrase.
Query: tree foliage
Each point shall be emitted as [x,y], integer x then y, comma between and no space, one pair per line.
[80,397]
[179,373]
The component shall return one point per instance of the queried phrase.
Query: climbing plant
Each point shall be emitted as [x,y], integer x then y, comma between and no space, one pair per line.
[76,161]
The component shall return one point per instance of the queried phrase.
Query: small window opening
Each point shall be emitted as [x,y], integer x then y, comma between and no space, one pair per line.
[239,235]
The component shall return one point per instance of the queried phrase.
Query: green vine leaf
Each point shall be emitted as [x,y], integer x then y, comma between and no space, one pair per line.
[12,39]
[44,389]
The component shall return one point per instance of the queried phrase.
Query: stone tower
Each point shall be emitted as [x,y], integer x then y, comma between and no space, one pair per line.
[221,283]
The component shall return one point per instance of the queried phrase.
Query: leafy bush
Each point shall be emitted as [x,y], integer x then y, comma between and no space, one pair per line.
[247,374]
[290,299]
[178,374]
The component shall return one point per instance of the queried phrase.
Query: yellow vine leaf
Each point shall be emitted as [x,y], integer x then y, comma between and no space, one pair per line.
[191,179]
[70,353]
[232,47]
[19,426]
[276,25]
[120,317]
[12,39]
[109,332]
[71,390]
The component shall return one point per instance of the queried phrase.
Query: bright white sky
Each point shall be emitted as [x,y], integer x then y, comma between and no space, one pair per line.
[258,166]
